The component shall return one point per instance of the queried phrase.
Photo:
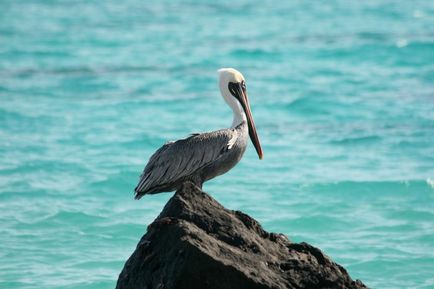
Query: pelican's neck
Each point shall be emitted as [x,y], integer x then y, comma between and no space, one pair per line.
[234,104]
[239,117]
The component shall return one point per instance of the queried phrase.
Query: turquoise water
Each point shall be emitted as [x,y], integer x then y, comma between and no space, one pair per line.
[342,95]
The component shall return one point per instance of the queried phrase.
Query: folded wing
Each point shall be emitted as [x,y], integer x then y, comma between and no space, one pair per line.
[182,158]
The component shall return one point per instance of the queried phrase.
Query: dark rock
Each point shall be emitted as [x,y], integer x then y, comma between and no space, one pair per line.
[197,243]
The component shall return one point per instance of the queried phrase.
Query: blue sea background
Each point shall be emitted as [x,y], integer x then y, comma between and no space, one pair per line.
[343,97]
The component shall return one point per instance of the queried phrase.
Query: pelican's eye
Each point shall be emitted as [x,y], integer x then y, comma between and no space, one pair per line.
[233,89]
[243,85]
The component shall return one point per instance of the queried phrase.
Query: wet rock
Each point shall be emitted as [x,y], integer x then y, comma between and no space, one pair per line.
[197,243]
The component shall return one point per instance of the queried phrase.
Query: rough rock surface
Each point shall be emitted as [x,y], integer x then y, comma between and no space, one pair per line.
[197,243]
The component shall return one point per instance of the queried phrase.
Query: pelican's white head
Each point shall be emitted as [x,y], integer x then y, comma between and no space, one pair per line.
[233,89]
[228,75]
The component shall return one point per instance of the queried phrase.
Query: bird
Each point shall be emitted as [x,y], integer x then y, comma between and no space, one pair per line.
[204,156]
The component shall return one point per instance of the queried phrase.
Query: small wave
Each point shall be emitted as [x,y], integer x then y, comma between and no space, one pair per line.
[430,182]
[255,53]
[82,70]
[354,140]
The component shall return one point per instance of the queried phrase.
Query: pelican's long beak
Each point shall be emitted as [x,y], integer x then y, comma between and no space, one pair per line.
[244,100]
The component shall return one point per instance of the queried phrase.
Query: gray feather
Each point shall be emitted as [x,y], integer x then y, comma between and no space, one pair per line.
[186,159]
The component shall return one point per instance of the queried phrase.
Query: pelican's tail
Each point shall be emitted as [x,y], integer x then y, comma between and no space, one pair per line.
[137,194]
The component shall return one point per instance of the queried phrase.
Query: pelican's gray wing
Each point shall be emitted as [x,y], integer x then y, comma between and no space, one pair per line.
[179,159]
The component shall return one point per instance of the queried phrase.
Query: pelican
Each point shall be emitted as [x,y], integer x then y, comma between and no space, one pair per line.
[201,157]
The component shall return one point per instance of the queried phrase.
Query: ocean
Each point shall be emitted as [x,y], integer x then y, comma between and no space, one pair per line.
[342,95]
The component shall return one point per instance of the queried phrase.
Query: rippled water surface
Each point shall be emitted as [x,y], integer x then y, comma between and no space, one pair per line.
[342,94]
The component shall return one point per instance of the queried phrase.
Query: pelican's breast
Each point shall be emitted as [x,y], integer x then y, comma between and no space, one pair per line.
[235,151]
